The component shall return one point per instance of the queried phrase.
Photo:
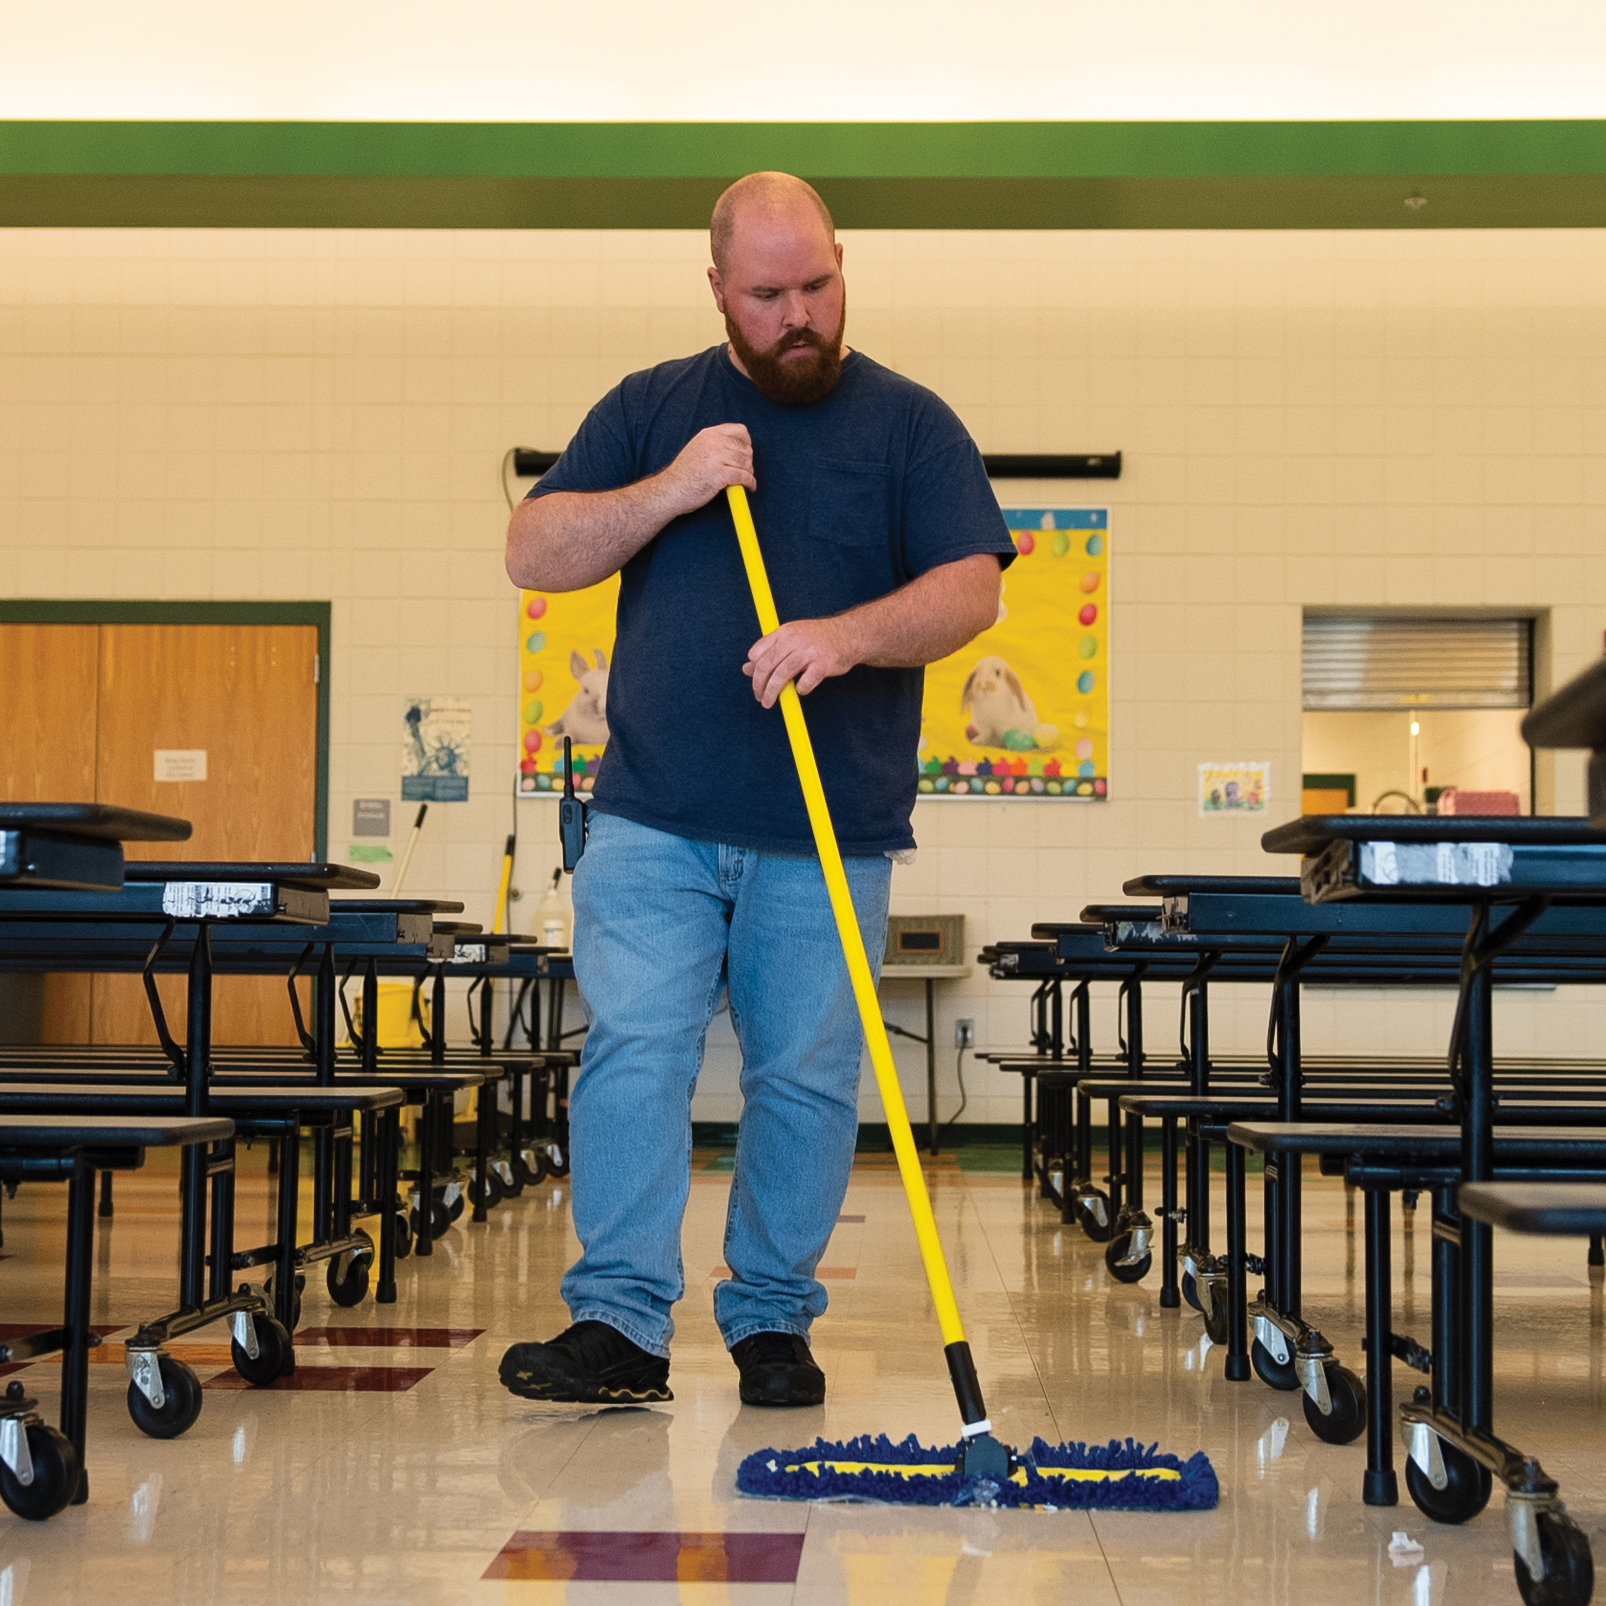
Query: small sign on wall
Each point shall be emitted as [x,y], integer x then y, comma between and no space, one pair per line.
[180,764]
[436,737]
[370,816]
[1240,787]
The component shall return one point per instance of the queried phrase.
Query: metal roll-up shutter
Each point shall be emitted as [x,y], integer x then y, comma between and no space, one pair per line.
[1416,661]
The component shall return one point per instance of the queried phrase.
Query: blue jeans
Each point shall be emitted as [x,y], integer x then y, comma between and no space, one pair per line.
[661,926]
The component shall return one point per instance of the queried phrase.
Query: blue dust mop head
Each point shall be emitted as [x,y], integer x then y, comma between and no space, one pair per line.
[1049,1477]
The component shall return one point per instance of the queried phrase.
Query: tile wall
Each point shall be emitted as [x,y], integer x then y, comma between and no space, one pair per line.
[1348,418]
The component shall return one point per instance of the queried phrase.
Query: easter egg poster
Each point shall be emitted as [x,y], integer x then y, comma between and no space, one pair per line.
[565,653]
[1020,712]
[1023,711]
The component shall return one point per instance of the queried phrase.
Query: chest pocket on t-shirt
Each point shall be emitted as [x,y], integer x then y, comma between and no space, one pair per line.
[850,504]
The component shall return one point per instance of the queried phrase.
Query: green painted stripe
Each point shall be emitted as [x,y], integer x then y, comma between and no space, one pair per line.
[821,150]
[1543,201]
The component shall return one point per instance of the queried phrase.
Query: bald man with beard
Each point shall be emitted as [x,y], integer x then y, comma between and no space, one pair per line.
[884,544]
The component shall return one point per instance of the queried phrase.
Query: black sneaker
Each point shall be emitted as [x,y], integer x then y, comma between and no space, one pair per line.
[777,1369]
[590,1363]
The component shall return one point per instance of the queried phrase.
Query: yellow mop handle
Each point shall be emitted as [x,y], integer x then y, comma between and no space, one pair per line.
[847,925]
[501,889]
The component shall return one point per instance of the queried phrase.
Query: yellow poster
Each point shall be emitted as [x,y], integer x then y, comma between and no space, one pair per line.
[1021,712]
[565,651]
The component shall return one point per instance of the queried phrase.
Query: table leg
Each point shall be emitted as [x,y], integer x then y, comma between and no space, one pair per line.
[1170,1297]
[1237,1272]
[1379,1488]
[931,1063]
[75,1356]
[387,1126]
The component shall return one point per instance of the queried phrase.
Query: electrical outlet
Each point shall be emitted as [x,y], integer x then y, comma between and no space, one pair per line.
[964,1034]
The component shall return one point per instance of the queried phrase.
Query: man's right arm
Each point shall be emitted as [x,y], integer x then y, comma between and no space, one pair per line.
[568,540]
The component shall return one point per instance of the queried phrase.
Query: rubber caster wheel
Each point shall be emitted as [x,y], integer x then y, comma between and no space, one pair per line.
[530,1175]
[1464,1495]
[275,1357]
[512,1182]
[1347,1420]
[1136,1272]
[1099,1231]
[351,1289]
[439,1220]
[55,1476]
[1569,1568]
[178,1411]
[1272,1372]
[455,1210]
[1190,1291]
[491,1188]
[404,1235]
[1215,1322]
[557,1161]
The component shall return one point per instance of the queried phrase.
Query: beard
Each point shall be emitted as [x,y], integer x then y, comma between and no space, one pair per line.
[792,380]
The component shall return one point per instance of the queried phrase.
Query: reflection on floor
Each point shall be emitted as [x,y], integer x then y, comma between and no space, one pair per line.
[412,1477]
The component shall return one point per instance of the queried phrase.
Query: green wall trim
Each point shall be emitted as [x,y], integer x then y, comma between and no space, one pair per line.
[826,150]
[90,611]
[1534,202]
[1262,175]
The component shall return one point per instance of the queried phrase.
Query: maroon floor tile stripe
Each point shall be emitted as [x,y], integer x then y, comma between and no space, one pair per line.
[850,1220]
[650,1558]
[334,1379]
[388,1337]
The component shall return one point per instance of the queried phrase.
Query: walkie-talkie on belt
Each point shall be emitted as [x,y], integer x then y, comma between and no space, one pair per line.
[571,813]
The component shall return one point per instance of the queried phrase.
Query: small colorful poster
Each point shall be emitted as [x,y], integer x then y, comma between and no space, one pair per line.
[565,648]
[1023,711]
[1236,788]
[436,737]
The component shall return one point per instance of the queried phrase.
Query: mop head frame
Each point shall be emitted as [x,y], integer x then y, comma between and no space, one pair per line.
[1118,1476]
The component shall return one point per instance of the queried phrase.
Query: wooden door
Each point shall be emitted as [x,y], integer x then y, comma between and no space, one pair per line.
[246,696]
[49,677]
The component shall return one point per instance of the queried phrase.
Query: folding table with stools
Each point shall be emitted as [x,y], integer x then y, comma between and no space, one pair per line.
[43,1470]
[1517,874]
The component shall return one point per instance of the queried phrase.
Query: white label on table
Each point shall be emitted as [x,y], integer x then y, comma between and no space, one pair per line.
[216,900]
[180,764]
[468,953]
[1379,864]
[1436,864]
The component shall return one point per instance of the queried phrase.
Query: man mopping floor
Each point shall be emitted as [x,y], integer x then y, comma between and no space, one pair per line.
[884,544]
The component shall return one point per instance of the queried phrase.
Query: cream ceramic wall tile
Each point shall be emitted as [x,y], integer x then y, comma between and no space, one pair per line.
[1308,418]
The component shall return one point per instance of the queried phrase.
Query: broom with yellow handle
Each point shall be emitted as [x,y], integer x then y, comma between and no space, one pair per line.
[982,1452]
[1123,1475]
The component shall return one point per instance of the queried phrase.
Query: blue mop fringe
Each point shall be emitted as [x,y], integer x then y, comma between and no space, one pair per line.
[764,1474]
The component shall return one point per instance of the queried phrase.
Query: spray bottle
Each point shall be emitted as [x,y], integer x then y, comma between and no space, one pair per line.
[552,917]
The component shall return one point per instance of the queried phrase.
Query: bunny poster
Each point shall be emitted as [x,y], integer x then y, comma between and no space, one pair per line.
[565,643]
[1023,711]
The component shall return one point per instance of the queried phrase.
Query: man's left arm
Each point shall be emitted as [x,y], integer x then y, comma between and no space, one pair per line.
[932,616]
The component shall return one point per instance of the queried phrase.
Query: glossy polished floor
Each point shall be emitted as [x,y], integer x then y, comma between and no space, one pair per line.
[397,1470]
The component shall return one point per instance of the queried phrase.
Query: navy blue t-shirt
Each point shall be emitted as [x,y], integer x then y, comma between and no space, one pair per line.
[857,495]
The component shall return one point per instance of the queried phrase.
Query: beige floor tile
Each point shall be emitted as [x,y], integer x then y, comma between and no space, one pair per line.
[408,1497]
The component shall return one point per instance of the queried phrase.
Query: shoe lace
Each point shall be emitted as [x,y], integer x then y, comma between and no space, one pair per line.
[594,1345]
[768,1348]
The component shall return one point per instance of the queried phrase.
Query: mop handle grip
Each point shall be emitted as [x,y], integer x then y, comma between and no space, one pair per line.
[847,924]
